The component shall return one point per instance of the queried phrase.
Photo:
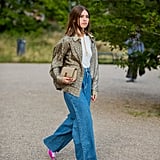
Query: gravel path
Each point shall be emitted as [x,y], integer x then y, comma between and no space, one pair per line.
[31,108]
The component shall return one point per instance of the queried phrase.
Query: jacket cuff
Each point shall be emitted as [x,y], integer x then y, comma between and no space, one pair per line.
[94,93]
[59,79]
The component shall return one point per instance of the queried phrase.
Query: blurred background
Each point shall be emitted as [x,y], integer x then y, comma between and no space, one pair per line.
[29,29]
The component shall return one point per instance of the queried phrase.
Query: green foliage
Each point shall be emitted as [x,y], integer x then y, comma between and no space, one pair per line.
[116,19]
[112,21]
[27,16]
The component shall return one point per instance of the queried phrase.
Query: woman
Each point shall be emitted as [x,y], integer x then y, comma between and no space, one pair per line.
[76,49]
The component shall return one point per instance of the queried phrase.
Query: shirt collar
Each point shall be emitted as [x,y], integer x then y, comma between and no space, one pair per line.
[76,38]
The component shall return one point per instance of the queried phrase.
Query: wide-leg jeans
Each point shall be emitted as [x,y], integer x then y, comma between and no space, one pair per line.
[77,126]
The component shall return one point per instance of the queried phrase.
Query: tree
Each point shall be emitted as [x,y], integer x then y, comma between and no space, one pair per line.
[112,21]
[31,15]
[115,19]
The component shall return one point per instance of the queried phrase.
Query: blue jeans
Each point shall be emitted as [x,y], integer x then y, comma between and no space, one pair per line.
[77,126]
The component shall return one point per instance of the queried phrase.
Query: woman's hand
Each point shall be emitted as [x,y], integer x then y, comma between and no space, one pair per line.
[94,96]
[67,80]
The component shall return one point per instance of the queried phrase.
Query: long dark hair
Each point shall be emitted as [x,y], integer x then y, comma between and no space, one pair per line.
[73,22]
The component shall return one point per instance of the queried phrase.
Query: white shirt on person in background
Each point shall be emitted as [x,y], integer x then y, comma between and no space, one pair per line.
[135,45]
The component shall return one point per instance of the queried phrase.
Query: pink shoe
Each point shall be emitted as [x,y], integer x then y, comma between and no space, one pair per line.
[52,154]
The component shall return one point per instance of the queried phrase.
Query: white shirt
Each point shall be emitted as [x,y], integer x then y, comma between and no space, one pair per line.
[86,51]
[136,45]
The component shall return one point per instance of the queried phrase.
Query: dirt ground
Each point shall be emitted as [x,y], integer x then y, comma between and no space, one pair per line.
[125,115]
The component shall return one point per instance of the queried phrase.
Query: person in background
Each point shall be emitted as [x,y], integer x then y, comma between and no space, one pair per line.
[134,45]
[76,49]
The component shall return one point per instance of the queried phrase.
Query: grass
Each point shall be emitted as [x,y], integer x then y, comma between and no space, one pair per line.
[38,49]
[151,111]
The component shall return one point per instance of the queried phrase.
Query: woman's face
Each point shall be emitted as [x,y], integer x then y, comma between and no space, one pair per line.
[84,19]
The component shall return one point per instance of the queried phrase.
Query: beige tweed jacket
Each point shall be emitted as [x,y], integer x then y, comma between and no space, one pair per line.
[68,52]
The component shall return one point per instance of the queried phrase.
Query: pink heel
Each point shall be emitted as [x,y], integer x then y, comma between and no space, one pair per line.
[52,154]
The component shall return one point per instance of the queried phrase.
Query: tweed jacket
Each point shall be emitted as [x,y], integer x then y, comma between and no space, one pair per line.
[68,52]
